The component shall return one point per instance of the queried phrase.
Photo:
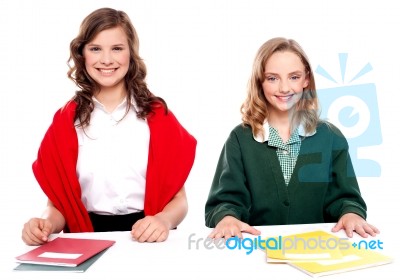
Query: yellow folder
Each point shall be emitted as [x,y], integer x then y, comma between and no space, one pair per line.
[319,253]
[315,245]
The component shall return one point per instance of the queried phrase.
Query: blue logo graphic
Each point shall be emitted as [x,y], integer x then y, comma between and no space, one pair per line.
[354,110]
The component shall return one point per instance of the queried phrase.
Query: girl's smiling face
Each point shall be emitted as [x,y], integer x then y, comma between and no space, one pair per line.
[285,79]
[107,57]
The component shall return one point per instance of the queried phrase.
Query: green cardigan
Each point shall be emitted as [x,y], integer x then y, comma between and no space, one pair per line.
[249,184]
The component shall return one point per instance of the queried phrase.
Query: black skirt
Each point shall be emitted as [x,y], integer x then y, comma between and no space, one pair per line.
[114,222]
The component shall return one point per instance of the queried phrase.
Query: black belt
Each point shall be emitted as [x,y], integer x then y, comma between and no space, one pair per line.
[114,222]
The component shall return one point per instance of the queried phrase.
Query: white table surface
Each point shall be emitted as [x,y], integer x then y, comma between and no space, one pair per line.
[176,258]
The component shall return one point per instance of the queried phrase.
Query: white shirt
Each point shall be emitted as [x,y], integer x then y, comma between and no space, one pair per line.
[112,160]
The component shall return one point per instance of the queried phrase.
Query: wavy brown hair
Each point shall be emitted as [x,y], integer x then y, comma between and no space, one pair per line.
[255,108]
[93,24]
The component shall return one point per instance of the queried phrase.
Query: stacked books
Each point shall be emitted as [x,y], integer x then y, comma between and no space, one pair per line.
[319,253]
[63,254]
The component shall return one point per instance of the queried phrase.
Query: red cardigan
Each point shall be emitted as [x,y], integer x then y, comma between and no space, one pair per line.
[171,157]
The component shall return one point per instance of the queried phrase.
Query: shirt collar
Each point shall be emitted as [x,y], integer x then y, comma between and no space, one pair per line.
[98,104]
[259,137]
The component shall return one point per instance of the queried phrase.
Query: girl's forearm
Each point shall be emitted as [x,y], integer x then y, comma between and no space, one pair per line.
[175,211]
[55,217]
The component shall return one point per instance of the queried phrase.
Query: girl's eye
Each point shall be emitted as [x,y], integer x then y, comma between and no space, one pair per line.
[94,49]
[117,49]
[271,79]
[295,77]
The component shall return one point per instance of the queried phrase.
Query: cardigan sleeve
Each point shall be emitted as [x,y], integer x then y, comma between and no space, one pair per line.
[55,170]
[229,195]
[172,152]
[343,195]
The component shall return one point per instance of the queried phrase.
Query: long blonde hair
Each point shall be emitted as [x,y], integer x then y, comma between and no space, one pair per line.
[255,108]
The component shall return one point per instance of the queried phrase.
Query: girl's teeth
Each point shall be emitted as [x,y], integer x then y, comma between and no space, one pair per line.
[107,71]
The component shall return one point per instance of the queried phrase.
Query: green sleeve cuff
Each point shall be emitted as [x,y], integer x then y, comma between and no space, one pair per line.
[352,209]
[225,211]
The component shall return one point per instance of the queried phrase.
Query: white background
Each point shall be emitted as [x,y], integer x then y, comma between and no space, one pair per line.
[199,56]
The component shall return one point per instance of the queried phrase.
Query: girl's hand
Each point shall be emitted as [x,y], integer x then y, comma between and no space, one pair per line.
[230,226]
[351,222]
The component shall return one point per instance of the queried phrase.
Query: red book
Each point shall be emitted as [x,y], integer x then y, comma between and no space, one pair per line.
[65,251]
